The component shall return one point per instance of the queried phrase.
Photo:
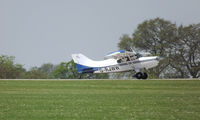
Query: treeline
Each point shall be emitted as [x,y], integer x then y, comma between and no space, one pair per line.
[65,70]
[179,45]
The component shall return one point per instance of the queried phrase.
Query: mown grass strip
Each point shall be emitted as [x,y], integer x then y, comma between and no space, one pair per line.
[99,99]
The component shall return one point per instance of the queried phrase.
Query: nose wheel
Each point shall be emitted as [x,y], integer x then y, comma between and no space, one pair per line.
[140,75]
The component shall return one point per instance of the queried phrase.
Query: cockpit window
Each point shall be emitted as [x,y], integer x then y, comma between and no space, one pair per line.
[138,55]
[119,61]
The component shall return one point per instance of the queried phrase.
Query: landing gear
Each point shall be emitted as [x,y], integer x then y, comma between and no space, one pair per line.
[140,75]
[144,76]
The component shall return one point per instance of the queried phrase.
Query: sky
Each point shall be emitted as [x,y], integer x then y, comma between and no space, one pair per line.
[49,31]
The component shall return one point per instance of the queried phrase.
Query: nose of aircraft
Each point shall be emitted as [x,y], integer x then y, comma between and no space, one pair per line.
[159,58]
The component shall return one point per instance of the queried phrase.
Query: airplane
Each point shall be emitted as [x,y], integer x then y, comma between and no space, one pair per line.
[117,61]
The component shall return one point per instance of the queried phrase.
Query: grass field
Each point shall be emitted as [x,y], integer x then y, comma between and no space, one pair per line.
[99,100]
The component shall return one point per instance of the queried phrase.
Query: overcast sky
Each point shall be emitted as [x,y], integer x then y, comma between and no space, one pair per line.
[43,31]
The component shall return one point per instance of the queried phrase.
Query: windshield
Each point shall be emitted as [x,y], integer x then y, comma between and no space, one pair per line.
[138,55]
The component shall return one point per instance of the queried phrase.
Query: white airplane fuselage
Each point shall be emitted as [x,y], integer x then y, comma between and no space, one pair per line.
[135,65]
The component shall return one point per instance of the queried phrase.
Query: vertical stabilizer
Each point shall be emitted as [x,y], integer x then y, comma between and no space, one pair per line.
[83,63]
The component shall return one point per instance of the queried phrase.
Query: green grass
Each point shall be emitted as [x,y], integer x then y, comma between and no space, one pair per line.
[99,100]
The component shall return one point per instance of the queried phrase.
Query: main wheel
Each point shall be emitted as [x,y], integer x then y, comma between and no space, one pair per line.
[139,75]
[144,76]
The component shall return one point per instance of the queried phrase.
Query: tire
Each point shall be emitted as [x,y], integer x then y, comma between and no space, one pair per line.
[139,75]
[144,76]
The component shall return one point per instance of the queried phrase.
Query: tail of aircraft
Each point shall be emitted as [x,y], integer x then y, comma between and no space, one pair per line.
[81,59]
[83,63]
[86,65]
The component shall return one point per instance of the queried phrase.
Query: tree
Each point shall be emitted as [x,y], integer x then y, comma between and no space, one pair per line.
[153,36]
[185,56]
[66,70]
[126,42]
[9,70]
[35,73]
[19,71]
[179,46]
[48,68]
